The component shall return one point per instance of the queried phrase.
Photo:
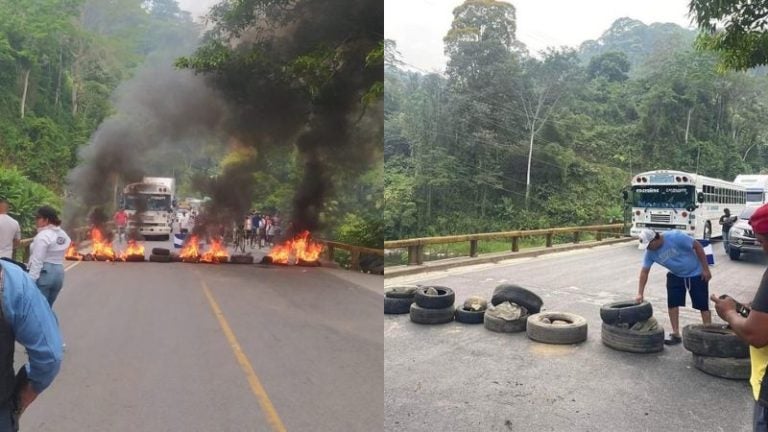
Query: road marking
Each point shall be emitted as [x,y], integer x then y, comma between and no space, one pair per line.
[245,364]
[73,265]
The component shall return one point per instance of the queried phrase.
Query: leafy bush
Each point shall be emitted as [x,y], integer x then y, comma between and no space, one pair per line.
[25,196]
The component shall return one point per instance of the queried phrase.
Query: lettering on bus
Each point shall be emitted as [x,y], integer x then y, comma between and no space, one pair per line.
[649,190]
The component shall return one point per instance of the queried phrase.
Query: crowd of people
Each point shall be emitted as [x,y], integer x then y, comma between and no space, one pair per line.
[259,229]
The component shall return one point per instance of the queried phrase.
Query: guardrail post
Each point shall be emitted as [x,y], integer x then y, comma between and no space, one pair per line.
[576,237]
[329,252]
[473,248]
[515,245]
[414,255]
[549,239]
[355,264]
[618,233]
[599,235]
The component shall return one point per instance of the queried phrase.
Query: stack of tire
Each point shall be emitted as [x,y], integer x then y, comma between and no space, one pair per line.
[472,311]
[717,351]
[433,305]
[398,299]
[629,326]
[560,328]
[512,305]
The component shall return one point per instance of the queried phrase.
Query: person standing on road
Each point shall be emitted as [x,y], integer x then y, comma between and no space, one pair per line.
[46,254]
[10,233]
[121,222]
[727,222]
[688,271]
[26,318]
[752,329]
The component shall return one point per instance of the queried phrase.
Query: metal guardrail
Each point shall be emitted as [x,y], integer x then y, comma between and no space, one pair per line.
[416,246]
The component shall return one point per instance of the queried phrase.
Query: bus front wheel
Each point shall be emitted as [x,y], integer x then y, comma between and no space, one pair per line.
[707,231]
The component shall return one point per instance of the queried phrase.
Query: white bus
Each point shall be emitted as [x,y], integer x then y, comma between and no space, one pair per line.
[667,200]
[756,186]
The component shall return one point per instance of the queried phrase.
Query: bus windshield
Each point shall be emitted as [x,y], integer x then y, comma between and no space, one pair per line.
[677,197]
[147,202]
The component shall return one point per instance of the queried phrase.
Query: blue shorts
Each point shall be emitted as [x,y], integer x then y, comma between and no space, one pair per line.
[697,288]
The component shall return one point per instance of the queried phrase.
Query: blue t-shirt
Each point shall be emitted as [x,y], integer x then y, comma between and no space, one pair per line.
[676,254]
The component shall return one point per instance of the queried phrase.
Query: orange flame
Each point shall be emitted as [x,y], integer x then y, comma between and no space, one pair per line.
[190,251]
[101,248]
[133,249]
[300,248]
[72,253]
[217,253]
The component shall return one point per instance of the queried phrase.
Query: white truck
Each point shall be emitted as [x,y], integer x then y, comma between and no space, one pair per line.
[757,188]
[153,199]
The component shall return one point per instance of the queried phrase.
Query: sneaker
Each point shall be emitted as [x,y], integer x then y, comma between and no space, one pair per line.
[673,339]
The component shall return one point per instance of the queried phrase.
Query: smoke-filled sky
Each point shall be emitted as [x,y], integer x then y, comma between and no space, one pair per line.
[197,7]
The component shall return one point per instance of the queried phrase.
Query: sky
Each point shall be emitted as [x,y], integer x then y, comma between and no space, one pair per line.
[418,26]
[196,7]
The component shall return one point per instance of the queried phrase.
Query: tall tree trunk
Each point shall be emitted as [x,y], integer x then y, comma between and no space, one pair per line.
[688,126]
[24,93]
[528,174]
[58,79]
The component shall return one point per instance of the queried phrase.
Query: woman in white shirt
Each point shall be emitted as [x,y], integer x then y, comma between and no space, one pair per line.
[46,253]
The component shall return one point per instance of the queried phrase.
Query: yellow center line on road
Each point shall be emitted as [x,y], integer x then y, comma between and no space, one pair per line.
[266,405]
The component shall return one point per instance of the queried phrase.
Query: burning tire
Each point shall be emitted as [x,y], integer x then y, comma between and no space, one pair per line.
[714,341]
[628,312]
[634,341]
[444,298]
[546,327]
[422,315]
[518,295]
[394,305]
[134,258]
[160,251]
[160,258]
[730,368]
[241,259]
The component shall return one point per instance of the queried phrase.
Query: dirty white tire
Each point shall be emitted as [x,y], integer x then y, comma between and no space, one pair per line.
[401,291]
[394,305]
[730,368]
[714,340]
[500,325]
[539,329]
[422,315]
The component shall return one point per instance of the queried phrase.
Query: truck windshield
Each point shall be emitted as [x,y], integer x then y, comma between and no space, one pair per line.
[147,202]
[678,197]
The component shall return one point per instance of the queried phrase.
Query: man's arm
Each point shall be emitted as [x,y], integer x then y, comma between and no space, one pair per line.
[699,251]
[642,282]
[750,329]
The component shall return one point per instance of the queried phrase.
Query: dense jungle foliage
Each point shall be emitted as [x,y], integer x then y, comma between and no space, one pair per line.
[510,140]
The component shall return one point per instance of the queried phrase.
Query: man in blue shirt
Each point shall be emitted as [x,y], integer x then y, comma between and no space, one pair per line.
[25,317]
[688,270]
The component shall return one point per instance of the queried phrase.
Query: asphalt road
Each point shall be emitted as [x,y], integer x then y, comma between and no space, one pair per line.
[203,347]
[461,377]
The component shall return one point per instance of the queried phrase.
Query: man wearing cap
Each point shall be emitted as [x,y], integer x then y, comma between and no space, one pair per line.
[688,271]
[10,234]
[754,328]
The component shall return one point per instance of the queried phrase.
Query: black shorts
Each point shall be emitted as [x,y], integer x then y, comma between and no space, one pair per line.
[697,288]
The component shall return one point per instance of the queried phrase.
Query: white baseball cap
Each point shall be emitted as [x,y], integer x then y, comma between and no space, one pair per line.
[646,236]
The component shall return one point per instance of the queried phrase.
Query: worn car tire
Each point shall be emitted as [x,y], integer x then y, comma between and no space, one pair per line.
[625,312]
[445,297]
[519,295]
[397,305]
[572,333]
[631,340]
[714,340]
[401,291]
[500,325]
[160,258]
[469,316]
[730,368]
[422,315]
[160,251]
[734,254]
